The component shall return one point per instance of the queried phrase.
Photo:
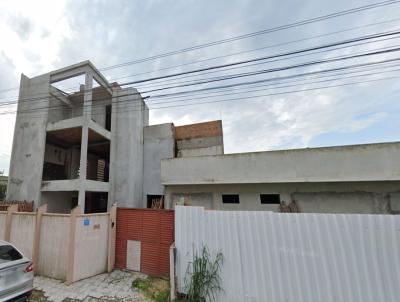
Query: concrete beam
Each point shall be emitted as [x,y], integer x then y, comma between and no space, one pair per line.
[87,113]
[99,129]
[65,124]
[69,72]
[60,96]
[96,186]
[74,185]
[77,70]
[60,185]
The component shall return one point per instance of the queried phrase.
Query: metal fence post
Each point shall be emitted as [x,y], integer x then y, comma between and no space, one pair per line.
[172,278]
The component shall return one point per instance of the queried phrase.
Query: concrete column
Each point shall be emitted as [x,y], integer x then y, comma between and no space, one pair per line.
[87,97]
[216,202]
[87,114]
[286,197]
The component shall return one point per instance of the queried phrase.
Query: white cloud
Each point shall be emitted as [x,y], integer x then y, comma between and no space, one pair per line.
[42,35]
[34,31]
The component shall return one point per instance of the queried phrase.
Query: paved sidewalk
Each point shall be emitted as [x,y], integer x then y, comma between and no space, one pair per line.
[116,286]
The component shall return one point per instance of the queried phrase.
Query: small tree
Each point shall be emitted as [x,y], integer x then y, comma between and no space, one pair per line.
[202,279]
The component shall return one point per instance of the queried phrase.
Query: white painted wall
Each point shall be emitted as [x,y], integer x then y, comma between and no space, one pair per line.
[295,257]
[91,246]
[22,232]
[53,252]
[3,216]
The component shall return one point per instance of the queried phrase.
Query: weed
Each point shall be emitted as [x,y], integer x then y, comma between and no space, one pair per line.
[202,280]
[155,289]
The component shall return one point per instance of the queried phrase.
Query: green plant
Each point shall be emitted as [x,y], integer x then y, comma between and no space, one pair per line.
[202,279]
[155,289]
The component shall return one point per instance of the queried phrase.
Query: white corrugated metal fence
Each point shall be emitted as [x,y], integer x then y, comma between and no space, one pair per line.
[282,257]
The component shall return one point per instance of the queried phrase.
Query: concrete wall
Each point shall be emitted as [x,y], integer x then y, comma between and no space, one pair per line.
[26,163]
[58,202]
[353,197]
[3,216]
[371,162]
[23,231]
[126,155]
[344,202]
[59,112]
[55,155]
[159,143]
[91,242]
[214,150]
[53,252]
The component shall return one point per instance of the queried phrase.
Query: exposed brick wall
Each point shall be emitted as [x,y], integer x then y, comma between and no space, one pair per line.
[207,129]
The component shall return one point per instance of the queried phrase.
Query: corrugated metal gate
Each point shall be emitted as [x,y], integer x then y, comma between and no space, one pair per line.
[296,257]
[146,235]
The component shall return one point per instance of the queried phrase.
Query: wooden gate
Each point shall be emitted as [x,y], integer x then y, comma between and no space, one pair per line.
[143,240]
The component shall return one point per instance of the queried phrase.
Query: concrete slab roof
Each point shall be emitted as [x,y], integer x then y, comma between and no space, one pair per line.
[77,70]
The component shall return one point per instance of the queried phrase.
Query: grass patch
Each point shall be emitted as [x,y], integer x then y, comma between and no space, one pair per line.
[155,289]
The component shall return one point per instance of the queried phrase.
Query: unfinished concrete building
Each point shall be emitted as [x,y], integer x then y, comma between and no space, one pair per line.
[77,149]
[361,179]
[94,147]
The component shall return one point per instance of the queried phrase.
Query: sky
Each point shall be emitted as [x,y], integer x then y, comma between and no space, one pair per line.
[40,36]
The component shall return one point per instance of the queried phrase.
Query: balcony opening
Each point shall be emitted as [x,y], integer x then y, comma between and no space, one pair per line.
[60,202]
[67,101]
[63,152]
[96,202]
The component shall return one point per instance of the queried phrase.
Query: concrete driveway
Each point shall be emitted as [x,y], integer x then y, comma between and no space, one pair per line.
[116,286]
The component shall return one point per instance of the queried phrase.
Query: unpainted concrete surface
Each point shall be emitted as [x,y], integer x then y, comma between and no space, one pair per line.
[116,286]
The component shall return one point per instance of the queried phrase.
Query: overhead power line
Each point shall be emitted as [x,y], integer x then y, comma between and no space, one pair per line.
[363,38]
[257,33]
[260,48]
[253,97]
[354,10]
[238,84]
[347,42]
